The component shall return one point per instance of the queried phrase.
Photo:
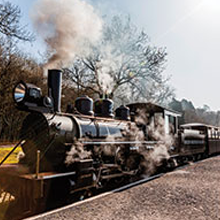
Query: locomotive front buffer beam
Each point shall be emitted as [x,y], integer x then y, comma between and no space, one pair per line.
[22,195]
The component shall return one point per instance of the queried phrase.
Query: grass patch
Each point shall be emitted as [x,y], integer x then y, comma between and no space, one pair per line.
[13,157]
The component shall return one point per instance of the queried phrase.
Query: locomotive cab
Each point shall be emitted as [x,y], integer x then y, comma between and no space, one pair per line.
[155,117]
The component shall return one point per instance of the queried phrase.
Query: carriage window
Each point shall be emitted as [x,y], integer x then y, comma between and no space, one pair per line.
[213,133]
[209,133]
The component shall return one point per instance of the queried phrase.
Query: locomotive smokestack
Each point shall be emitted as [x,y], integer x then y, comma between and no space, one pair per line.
[55,87]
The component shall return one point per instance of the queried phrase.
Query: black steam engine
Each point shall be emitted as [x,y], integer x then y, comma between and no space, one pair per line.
[78,151]
[91,138]
[89,146]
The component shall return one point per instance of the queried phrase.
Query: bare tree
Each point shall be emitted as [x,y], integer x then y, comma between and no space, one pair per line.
[14,66]
[124,64]
[10,22]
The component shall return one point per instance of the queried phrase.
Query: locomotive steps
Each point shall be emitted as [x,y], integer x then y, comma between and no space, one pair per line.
[191,192]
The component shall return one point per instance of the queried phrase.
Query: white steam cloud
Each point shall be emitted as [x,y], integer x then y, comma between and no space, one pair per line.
[108,65]
[69,28]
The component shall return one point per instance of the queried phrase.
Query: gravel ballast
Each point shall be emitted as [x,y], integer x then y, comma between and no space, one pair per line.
[190,193]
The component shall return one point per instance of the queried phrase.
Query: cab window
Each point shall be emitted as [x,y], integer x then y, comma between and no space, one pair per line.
[209,133]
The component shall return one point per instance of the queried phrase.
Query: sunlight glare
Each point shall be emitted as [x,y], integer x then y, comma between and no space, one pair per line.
[212,5]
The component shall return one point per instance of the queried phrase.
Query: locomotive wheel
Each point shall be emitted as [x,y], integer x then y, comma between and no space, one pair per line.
[194,158]
[199,157]
[85,194]
[205,155]
[171,163]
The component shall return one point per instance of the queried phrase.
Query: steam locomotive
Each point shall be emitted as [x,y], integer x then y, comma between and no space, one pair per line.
[96,139]
[99,144]
[89,146]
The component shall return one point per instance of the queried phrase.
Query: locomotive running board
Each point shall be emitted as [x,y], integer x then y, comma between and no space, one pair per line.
[58,175]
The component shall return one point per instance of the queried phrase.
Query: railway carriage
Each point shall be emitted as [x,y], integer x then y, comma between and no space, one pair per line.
[211,136]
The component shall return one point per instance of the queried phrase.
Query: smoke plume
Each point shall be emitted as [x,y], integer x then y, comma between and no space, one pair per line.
[108,65]
[106,81]
[68,27]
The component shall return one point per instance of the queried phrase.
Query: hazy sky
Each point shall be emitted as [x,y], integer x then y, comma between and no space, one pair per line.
[189,29]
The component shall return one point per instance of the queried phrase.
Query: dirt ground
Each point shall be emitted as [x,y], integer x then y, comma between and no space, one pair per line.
[189,194]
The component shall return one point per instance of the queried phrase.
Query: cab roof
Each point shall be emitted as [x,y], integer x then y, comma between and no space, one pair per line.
[152,108]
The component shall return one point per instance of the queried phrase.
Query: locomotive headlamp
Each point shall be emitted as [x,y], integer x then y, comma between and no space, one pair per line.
[25,92]
[28,97]
[19,92]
